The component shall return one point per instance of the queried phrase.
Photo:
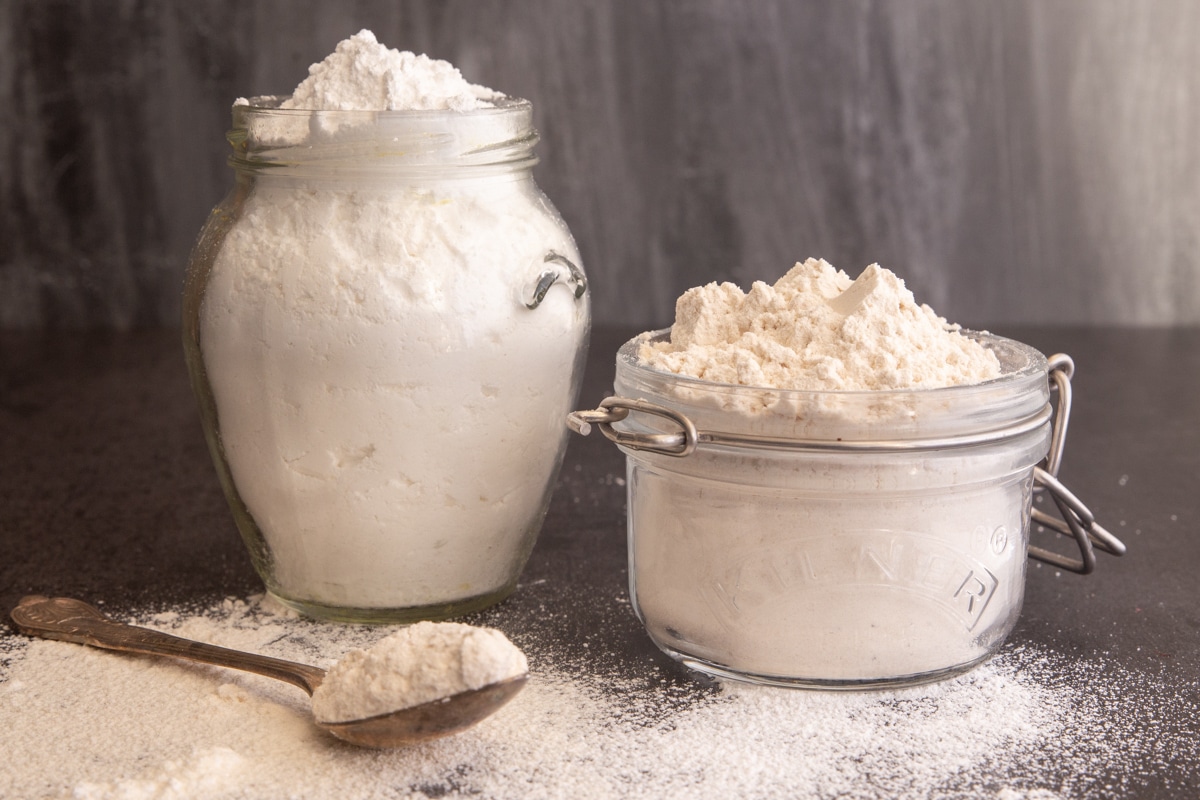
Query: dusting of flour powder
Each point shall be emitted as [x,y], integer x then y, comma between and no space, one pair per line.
[364,75]
[816,329]
[418,664]
[1027,725]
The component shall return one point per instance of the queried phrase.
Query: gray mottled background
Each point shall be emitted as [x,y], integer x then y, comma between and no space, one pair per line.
[1017,161]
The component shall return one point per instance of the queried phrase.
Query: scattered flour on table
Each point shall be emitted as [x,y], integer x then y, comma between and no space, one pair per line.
[815,329]
[85,723]
[417,664]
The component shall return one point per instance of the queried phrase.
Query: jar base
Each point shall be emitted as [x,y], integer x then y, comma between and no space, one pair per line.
[828,684]
[394,616]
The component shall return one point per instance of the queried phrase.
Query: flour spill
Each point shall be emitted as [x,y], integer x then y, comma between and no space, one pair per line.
[1028,724]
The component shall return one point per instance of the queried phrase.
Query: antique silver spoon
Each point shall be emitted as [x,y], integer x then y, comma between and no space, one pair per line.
[73,620]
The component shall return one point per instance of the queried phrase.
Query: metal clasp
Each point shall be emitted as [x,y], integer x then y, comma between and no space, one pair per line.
[615,409]
[1077,520]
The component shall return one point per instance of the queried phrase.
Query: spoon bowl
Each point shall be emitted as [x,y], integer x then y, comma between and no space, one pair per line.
[432,720]
[71,620]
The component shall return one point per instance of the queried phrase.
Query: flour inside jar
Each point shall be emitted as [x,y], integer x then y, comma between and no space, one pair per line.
[383,383]
[854,510]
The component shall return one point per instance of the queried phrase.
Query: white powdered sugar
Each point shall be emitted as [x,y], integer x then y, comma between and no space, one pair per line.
[815,329]
[389,409]
[1028,725]
[389,402]
[419,664]
[364,75]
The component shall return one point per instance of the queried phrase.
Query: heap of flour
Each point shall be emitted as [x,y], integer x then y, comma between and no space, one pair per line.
[362,74]
[815,329]
[419,664]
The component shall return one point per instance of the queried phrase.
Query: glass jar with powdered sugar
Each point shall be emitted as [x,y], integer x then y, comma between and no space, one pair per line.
[385,322]
[838,539]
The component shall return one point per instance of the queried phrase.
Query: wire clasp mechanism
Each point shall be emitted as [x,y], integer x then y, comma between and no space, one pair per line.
[615,409]
[1076,519]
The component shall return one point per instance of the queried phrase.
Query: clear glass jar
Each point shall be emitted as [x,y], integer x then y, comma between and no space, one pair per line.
[831,539]
[385,322]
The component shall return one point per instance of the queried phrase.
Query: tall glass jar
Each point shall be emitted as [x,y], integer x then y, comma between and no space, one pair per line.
[385,323]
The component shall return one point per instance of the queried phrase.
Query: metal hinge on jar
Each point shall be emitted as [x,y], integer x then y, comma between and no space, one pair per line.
[1076,521]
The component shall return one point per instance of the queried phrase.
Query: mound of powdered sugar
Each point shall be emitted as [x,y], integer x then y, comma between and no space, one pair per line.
[815,329]
[364,75]
[418,664]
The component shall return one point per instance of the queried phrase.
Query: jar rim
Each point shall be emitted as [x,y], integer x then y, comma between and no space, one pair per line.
[269,104]
[1016,400]
[497,139]
[1017,361]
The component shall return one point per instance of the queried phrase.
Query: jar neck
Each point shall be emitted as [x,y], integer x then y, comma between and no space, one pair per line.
[479,143]
[1011,405]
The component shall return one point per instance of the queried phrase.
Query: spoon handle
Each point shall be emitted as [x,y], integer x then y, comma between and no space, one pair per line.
[73,620]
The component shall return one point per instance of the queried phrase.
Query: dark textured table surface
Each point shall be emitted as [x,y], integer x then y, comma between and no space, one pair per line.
[108,494]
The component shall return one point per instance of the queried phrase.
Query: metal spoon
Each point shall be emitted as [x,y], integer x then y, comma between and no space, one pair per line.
[73,620]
